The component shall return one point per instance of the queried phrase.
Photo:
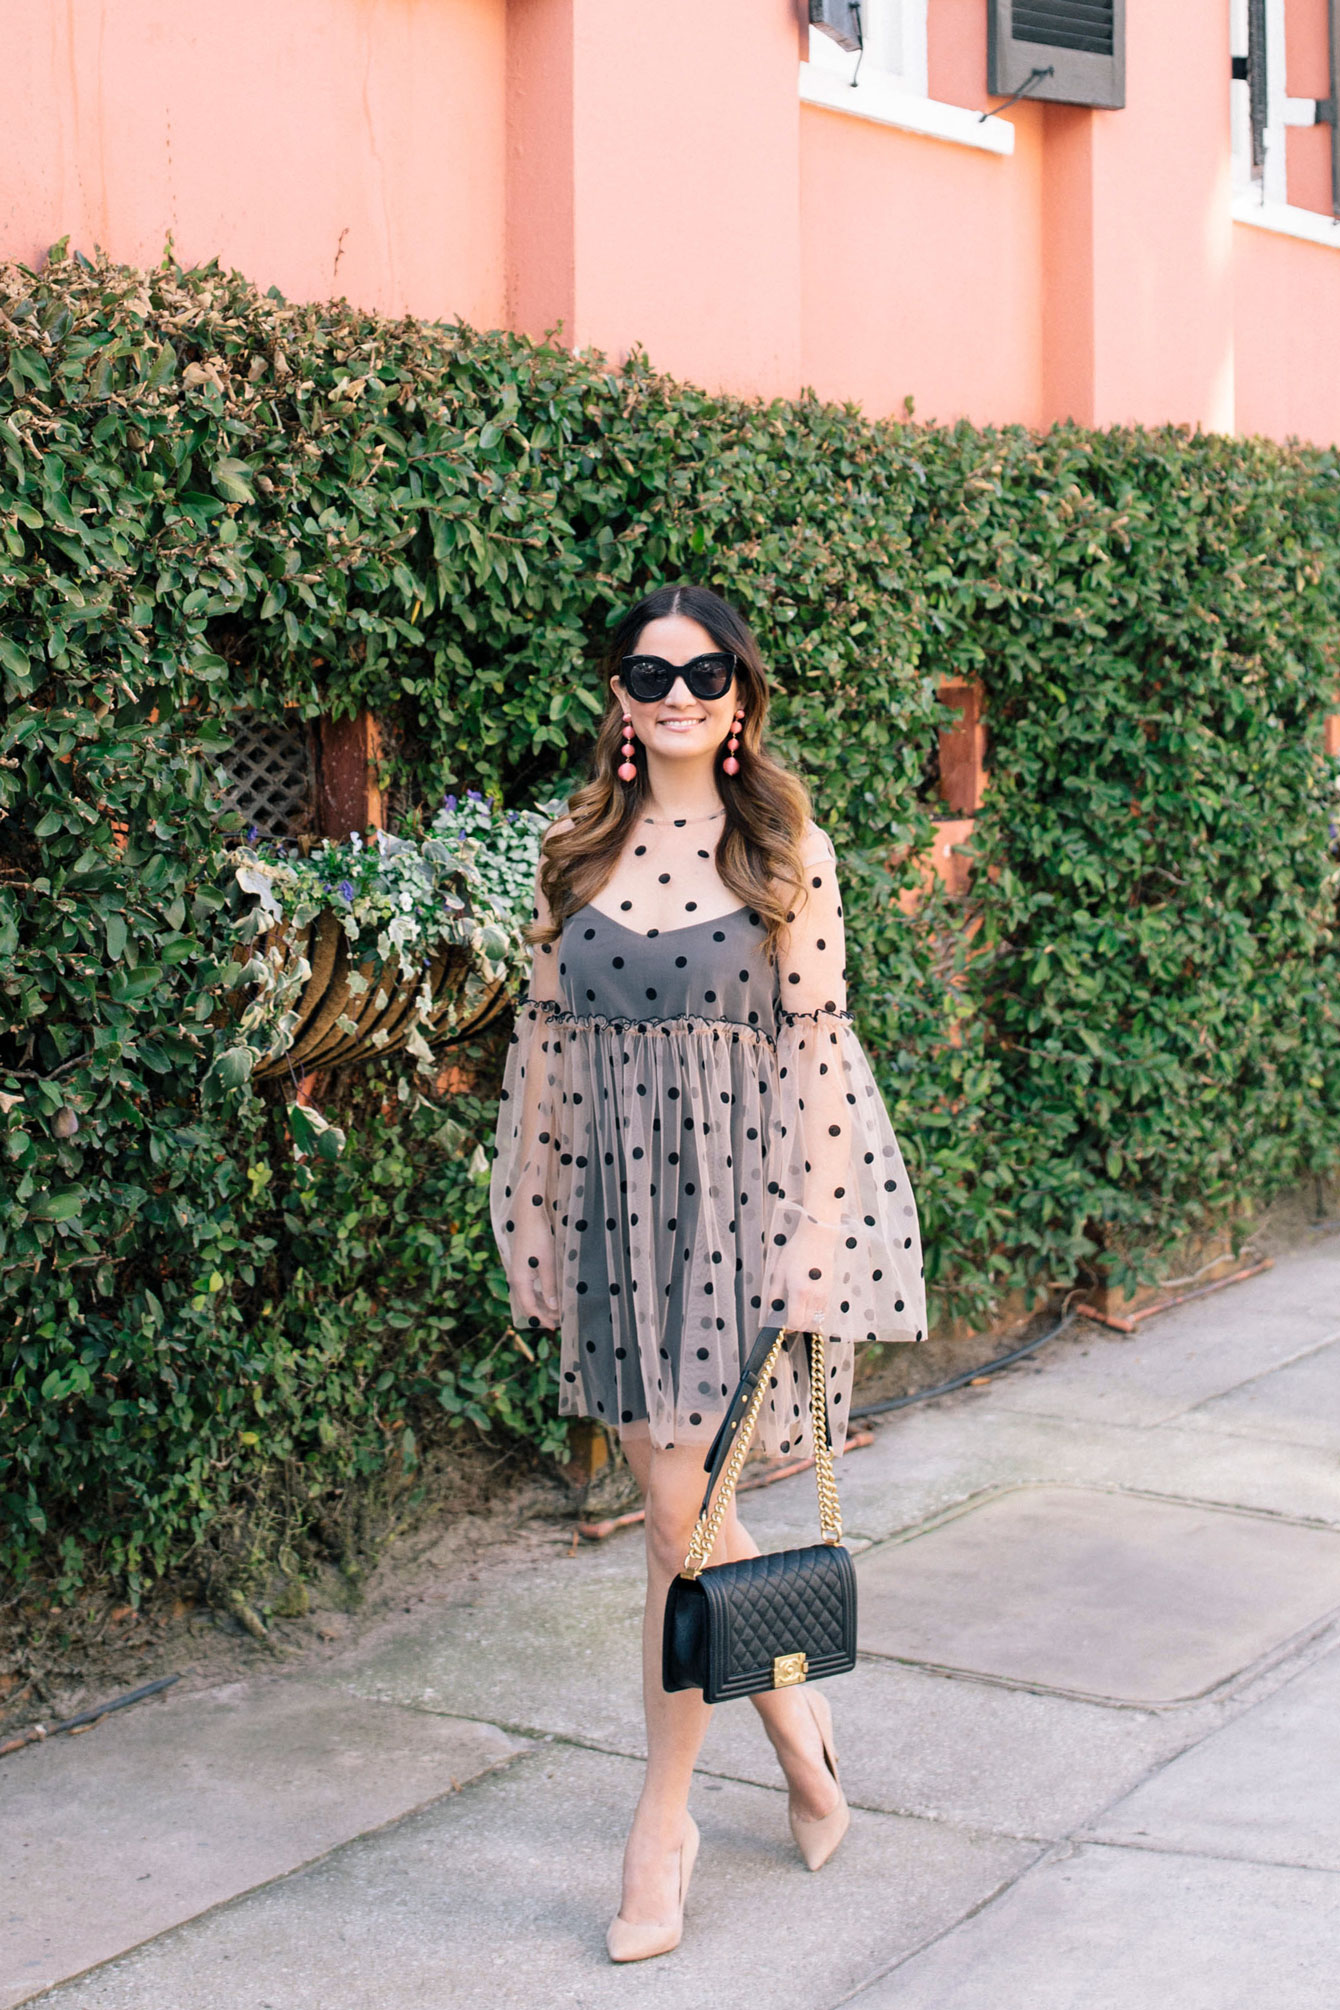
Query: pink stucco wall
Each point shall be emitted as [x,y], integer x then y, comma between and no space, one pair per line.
[323,146]
[922,264]
[664,208]
[1162,226]
[647,174]
[1287,314]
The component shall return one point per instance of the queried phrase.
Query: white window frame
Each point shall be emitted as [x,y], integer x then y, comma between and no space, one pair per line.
[891,82]
[1270,183]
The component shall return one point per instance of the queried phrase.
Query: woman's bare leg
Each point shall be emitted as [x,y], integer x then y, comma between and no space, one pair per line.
[787,1716]
[672,1484]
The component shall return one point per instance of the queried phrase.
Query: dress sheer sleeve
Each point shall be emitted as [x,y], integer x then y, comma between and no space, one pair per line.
[522,1195]
[845,1250]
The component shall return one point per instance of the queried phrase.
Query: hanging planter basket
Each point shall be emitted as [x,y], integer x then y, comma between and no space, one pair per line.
[338,1024]
[353,950]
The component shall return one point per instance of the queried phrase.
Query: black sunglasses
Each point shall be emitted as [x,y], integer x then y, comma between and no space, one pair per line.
[649,678]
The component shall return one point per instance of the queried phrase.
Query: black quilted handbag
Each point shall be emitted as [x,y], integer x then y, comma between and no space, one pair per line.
[732,1629]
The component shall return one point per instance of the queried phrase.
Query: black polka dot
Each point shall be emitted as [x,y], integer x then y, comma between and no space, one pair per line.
[624,906]
[638,850]
[663,878]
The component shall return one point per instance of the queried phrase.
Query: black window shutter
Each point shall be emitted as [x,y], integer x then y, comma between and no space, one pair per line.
[839,18]
[1256,77]
[1080,44]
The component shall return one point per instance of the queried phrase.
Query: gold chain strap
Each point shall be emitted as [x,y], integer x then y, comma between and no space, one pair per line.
[704,1538]
[830,1507]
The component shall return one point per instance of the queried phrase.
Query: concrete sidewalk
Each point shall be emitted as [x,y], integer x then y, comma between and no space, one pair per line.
[1092,1744]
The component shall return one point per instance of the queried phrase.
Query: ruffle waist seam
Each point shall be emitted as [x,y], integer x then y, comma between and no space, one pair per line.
[556,1014]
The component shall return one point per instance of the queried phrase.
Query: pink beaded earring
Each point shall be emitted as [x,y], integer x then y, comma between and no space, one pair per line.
[730,766]
[628,769]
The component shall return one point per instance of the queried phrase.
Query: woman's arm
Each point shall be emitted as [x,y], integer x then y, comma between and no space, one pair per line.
[814,1090]
[523,1214]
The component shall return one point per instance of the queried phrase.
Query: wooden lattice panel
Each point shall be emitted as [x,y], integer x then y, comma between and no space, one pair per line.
[269,769]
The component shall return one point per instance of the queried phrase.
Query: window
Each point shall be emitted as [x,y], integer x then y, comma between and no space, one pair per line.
[1261,109]
[884,38]
[1068,52]
[867,58]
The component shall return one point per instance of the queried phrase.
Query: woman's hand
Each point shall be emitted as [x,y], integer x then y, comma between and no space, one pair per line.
[535,1279]
[803,1276]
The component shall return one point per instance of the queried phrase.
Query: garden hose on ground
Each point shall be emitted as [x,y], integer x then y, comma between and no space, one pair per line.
[1031,1346]
[968,1375]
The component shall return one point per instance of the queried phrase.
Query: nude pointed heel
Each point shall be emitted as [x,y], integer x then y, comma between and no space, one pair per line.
[628,1941]
[816,1840]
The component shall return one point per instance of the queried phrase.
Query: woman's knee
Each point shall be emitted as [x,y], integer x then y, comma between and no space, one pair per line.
[669,1527]
[674,1494]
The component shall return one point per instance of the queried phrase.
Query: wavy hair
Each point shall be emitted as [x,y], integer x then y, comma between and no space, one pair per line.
[758,854]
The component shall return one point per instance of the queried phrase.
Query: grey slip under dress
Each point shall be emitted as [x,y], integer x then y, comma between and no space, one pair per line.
[688,1113]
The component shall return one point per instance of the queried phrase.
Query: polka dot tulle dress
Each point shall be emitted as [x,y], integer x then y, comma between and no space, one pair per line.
[695,1120]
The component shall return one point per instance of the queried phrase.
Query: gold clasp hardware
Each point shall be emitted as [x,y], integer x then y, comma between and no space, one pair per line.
[788,1669]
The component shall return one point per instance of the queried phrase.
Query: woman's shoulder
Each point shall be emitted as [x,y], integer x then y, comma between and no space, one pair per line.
[816,847]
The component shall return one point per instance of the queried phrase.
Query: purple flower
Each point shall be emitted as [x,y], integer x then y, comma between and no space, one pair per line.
[448,802]
[473,796]
[347,889]
[253,832]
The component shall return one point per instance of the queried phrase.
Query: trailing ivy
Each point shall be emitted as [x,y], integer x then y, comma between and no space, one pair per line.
[211,499]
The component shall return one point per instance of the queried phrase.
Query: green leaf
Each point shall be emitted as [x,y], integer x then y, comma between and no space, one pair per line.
[63,1206]
[15,660]
[233,1068]
[162,371]
[233,479]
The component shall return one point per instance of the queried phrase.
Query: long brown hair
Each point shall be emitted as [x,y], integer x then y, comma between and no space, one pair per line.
[758,854]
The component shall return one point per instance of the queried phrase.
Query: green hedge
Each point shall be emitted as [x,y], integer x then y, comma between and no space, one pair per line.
[212,498]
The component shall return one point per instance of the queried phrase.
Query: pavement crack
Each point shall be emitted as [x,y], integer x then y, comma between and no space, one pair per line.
[1090,1840]
[1053,1853]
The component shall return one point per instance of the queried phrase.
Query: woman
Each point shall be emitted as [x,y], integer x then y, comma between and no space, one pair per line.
[690,1146]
